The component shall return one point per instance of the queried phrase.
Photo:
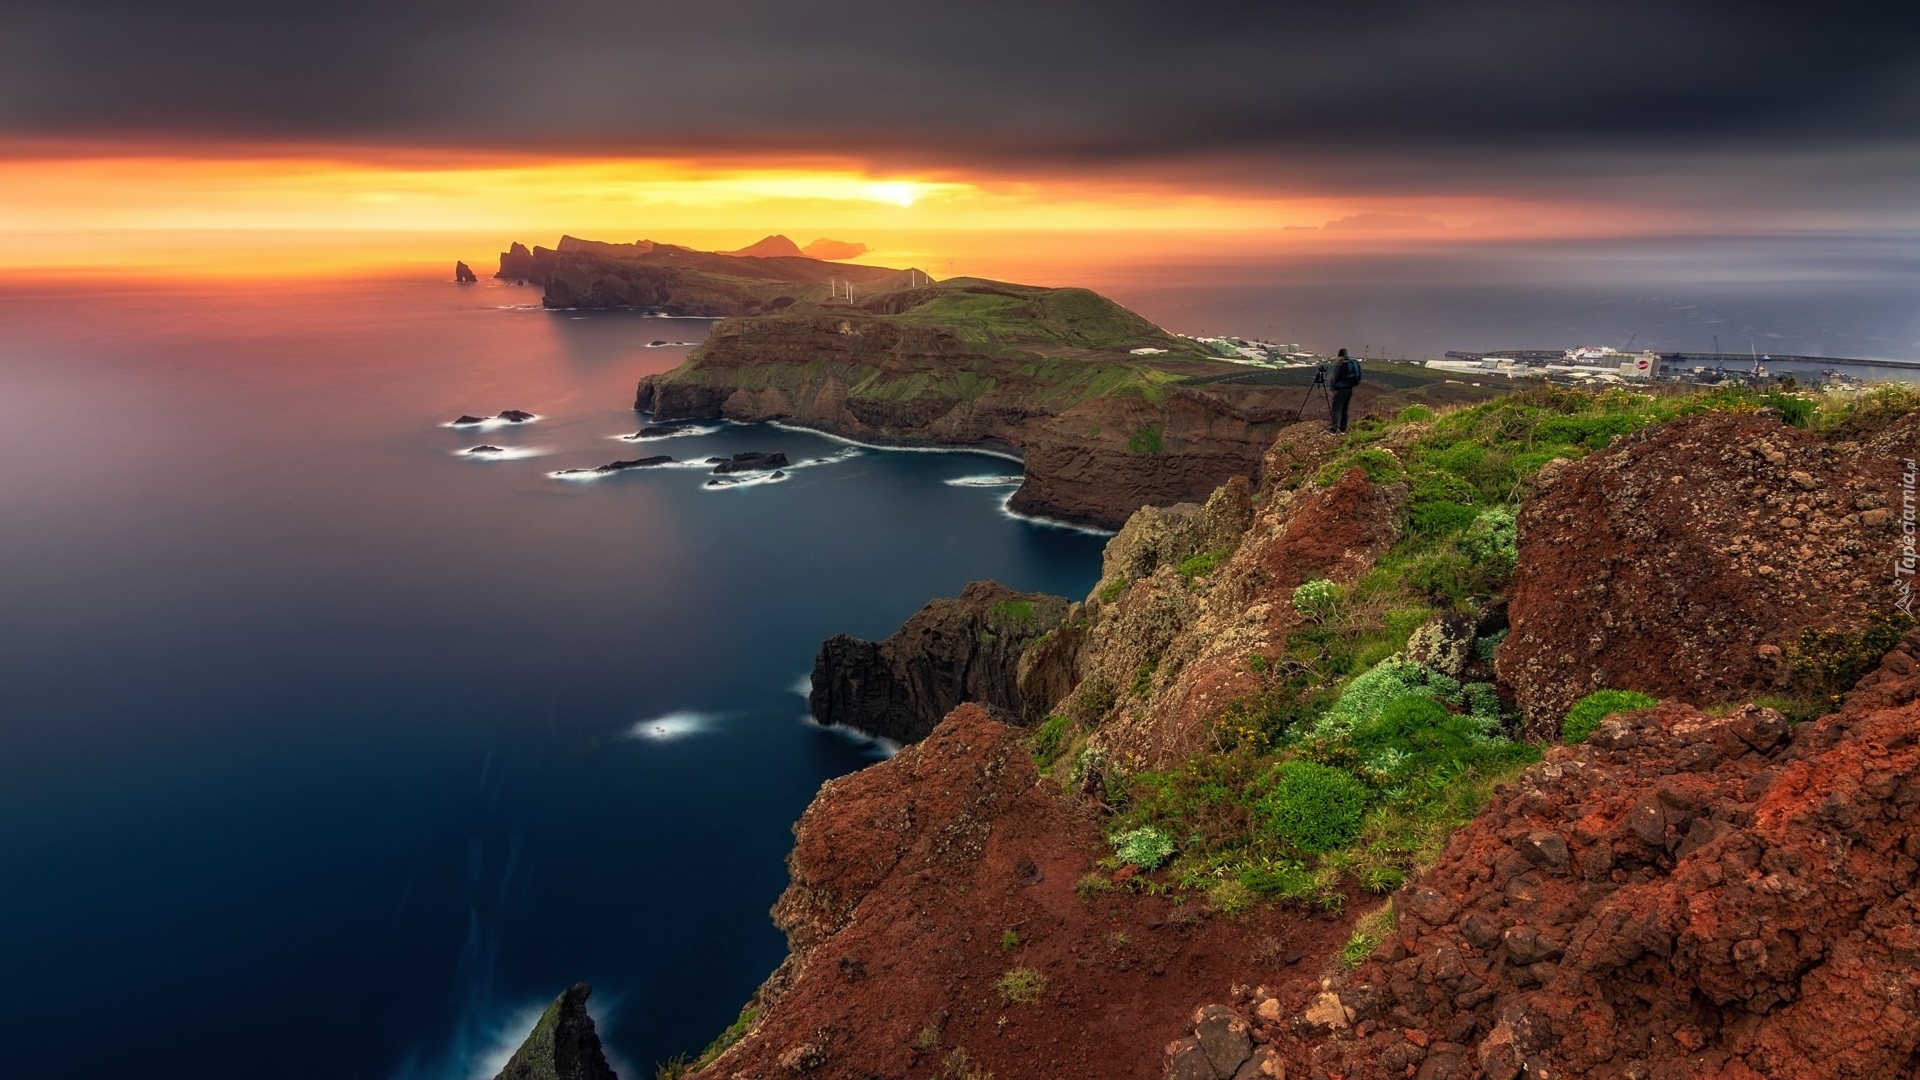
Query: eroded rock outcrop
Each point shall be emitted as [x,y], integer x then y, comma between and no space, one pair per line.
[463,272]
[1685,895]
[620,466]
[1686,561]
[963,649]
[516,263]
[935,929]
[563,1044]
[748,461]
[1189,596]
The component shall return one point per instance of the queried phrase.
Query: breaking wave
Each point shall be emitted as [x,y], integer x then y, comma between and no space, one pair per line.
[672,727]
[984,481]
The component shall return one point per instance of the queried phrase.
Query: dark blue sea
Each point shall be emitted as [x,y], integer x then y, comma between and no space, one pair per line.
[326,752]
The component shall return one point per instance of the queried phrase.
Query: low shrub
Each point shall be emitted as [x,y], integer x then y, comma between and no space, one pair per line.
[1231,897]
[1827,661]
[1316,599]
[1368,933]
[1020,611]
[1493,540]
[1313,807]
[1048,739]
[1022,986]
[1587,713]
[1380,467]
[1194,567]
[1145,847]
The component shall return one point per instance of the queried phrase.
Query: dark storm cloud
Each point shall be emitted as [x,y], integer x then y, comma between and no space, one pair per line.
[969,84]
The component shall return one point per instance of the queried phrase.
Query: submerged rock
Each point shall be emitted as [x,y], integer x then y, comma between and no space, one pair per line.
[464,420]
[563,1044]
[488,450]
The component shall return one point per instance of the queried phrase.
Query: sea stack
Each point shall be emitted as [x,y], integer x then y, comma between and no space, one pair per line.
[562,1046]
[463,273]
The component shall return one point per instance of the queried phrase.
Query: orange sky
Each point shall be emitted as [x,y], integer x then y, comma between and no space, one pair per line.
[306,213]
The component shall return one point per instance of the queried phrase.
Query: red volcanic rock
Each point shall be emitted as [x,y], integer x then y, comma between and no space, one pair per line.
[1684,896]
[1686,560]
[907,878]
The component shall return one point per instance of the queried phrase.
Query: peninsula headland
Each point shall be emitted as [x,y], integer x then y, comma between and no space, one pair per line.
[1107,411]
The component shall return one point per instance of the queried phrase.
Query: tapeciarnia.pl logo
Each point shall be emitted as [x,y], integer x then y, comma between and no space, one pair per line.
[1903,567]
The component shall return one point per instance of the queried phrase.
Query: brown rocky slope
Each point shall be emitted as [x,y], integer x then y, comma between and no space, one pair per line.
[1686,895]
[939,926]
[1688,560]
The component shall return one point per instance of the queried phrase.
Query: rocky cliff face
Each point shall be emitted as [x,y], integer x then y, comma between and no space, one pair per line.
[1690,560]
[965,649]
[1690,893]
[562,1045]
[1191,595]
[1685,895]
[940,924]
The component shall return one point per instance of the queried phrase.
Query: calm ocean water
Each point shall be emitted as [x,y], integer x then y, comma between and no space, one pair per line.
[331,754]
[1811,294]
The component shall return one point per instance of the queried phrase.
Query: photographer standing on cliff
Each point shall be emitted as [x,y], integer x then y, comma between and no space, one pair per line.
[1346,376]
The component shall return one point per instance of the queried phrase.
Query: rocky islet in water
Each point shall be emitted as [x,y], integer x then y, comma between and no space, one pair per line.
[510,416]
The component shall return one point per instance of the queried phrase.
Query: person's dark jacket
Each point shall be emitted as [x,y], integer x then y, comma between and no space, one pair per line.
[1346,374]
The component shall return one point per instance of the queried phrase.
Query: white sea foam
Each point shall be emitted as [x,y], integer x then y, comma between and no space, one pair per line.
[803,685]
[834,458]
[985,481]
[679,432]
[744,480]
[783,426]
[672,727]
[885,748]
[491,422]
[591,472]
[503,1039]
[505,453]
[1007,510]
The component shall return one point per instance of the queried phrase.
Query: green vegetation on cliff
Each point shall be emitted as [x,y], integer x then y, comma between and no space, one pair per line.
[1355,761]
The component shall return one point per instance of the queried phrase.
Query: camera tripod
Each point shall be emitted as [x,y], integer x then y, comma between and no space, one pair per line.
[1320,384]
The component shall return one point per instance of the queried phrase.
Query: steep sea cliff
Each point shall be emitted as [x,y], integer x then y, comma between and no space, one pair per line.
[1696,888]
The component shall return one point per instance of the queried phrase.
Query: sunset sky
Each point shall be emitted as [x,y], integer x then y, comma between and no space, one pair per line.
[211,136]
